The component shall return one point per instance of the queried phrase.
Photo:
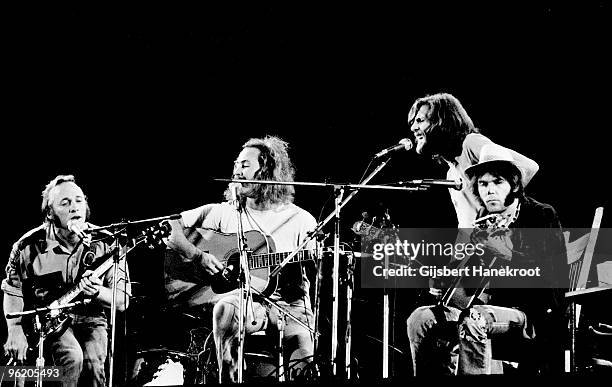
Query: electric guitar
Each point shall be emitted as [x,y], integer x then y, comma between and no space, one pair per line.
[261,258]
[56,321]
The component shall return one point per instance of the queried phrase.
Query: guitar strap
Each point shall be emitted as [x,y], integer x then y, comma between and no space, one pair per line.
[86,260]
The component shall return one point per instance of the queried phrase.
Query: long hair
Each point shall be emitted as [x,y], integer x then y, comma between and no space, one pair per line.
[275,165]
[450,124]
[501,169]
[45,207]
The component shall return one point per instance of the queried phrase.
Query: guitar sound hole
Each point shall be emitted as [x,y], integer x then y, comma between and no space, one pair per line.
[232,266]
[226,280]
[229,273]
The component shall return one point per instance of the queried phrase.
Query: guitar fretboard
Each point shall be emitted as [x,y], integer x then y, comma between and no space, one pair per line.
[75,291]
[267,260]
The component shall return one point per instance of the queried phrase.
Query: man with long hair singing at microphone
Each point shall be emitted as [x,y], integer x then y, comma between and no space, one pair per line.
[44,264]
[269,210]
[444,131]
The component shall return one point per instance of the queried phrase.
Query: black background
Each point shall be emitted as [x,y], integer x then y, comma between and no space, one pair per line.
[146,104]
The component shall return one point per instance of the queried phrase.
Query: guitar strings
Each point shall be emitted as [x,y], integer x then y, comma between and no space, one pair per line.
[259,228]
[303,298]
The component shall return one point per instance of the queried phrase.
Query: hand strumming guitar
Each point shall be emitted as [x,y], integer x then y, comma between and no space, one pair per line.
[209,262]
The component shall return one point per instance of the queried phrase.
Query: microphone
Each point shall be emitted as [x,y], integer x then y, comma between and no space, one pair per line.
[234,192]
[75,228]
[404,143]
[454,184]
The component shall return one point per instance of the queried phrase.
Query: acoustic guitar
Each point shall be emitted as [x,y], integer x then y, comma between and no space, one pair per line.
[261,258]
[491,225]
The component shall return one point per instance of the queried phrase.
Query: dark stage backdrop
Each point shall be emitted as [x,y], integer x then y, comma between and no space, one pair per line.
[147,104]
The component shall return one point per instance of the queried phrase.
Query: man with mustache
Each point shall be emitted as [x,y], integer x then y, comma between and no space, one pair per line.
[529,311]
[43,265]
[444,131]
[268,209]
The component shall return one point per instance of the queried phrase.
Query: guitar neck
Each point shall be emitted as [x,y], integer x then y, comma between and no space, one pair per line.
[97,273]
[268,260]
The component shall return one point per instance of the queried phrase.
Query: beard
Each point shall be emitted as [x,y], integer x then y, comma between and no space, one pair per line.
[421,147]
[244,191]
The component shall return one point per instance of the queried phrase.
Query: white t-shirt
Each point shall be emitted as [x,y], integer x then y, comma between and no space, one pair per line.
[288,225]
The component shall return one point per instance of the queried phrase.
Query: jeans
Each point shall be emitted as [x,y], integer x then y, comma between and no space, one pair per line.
[81,351]
[447,341]
[297,341]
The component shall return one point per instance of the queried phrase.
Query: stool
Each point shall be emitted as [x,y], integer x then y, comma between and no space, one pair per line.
[260,356]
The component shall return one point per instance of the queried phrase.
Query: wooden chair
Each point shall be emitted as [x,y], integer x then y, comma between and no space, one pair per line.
[579,257]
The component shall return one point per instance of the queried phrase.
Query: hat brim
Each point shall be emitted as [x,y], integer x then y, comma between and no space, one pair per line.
[480,168]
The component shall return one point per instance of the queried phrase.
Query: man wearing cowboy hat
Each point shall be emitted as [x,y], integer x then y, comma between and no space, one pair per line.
[527,235]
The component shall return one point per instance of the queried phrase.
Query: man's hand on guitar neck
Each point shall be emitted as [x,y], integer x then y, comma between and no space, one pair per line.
[209,262]
[90,286]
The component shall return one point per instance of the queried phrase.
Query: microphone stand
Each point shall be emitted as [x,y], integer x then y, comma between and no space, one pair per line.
[46,309]
[350,283]
[127,223]
[386,320]
[339,203]
[116,258]
[339,192]
[113,316]
[245,288]
[283,314]
[317,291]
[40,360]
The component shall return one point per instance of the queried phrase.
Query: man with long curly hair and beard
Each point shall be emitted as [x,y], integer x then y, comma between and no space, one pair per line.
[267,209]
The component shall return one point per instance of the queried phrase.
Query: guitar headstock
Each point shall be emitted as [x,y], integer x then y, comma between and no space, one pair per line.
[374,226]
[364,229]
[154,236]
